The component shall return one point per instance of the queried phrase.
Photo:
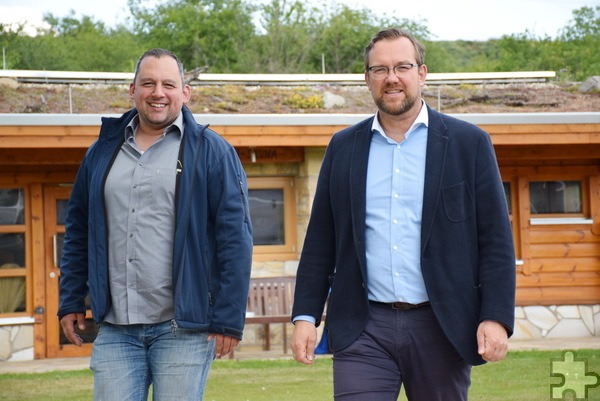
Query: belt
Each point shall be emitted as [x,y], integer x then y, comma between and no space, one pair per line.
[403,305]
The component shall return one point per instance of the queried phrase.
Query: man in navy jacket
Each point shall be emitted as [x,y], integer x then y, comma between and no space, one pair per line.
[410,233]
[158,233]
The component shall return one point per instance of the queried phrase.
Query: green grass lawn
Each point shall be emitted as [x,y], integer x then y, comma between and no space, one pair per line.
[522,376]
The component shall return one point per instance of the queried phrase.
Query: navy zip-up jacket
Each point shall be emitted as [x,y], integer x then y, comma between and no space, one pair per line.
[212,248]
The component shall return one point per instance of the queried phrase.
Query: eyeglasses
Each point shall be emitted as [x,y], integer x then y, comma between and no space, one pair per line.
[381,71]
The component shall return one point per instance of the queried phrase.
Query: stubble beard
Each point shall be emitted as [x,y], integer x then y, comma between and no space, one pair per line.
[155,121]
[396,109]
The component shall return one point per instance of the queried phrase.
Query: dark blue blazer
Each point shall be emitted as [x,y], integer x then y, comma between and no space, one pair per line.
[467,254]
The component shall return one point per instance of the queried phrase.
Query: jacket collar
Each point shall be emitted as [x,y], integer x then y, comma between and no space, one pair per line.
[437,144]
[437,141]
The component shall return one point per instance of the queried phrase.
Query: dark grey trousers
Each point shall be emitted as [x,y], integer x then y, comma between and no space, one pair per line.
[400,347]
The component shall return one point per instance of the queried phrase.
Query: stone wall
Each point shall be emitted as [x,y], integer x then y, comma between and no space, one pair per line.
[536,322]
[16,343]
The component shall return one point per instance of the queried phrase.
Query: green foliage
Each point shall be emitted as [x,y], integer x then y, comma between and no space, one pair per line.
[211,33]
[300,101]
[284,36]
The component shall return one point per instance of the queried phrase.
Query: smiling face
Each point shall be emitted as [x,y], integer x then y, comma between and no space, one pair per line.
[396,94]
[158,92]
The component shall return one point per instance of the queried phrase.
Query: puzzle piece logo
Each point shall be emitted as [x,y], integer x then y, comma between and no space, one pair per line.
[575,378]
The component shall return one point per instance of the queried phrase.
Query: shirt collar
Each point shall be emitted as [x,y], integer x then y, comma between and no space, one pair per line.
[135,121]
[422,118]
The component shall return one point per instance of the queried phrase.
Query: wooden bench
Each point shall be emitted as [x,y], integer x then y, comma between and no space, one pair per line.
[270,301]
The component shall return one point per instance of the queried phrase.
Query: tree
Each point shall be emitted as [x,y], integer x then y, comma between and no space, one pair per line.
[212,33]
[288,31]
[342,40]
[580,41]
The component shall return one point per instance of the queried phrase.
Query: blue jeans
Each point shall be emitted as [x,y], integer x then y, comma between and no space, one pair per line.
[127,359]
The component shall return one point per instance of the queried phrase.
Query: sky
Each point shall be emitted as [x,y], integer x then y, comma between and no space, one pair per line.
[446,19]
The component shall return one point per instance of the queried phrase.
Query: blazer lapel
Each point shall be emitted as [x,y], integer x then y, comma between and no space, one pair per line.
[358,187]
[437,142]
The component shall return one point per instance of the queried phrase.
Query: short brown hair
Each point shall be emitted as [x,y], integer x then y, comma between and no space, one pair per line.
[396,33]
[158,53]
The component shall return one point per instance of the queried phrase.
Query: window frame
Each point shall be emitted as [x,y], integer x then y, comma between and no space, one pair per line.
[288,250]
[26,270]
[562,218]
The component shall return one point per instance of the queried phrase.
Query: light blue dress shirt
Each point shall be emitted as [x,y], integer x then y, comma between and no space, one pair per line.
[395,182]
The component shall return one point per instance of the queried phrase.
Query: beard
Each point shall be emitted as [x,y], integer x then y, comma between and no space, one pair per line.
[397,109]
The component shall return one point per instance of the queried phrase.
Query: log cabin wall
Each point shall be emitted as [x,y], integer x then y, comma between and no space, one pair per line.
[558,247]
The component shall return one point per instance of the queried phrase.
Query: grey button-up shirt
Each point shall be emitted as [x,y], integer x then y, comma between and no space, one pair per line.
[140,203]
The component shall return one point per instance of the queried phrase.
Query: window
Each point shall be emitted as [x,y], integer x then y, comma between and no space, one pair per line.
[508,194]
[12,251]
[273,213]
[555,197]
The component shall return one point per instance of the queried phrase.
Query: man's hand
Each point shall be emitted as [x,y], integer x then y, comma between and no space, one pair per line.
[68,326]
[304,341]
[224,344]
[492,341]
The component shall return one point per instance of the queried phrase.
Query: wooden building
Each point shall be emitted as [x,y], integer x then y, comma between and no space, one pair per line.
[550,164]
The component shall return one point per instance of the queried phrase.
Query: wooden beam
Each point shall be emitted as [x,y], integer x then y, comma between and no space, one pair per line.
[543,134]
[573,280]
[278,154]
[41,157]
[539,153]
[589,295]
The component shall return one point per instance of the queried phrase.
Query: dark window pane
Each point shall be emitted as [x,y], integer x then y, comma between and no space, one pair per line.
[548,197]
[12,250]
[267,214]
[11,206]
[61,211]
[60,239]
[12,294]
[508,197]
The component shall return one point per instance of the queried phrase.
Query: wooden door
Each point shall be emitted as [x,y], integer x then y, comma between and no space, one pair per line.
[57,346]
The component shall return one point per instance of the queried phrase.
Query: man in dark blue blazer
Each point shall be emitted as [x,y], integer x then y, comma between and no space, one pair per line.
[410,234]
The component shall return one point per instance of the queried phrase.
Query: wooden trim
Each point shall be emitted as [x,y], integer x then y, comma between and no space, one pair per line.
[279,252]
[38,270]
[273,154]
[523,206]
[79,136]
[595,203]
[543,134]
[20,272]
[587,295]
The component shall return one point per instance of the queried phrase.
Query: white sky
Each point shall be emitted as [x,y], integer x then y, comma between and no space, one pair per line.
[446,19]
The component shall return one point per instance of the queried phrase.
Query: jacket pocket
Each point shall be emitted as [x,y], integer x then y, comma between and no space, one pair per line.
[458,202]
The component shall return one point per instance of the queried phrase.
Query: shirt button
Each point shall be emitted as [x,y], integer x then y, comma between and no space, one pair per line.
[395,247]
[397,170]
[130,235]
[135,185]
[395,221]
[396,196]
[130,259]
[132,210]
